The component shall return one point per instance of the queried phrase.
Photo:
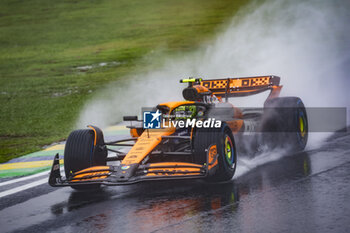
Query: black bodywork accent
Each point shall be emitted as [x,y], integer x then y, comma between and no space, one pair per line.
[55,174]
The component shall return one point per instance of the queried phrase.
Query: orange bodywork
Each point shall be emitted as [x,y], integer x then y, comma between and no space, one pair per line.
[134,133]
[148,140]
[91,173]
[231,87]
[201,89]
[275,92]
[179,164]
[87,177]
[175,169]
[237,82]
[212,158]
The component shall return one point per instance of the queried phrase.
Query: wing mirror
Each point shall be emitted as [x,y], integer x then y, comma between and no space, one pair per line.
[130,118]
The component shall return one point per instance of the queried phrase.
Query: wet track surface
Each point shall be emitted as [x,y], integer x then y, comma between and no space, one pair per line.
[305,192]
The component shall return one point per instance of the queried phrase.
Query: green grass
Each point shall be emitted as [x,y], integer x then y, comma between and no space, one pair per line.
[43,41]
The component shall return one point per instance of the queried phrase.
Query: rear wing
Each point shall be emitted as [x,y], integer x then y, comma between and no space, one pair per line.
[235,87]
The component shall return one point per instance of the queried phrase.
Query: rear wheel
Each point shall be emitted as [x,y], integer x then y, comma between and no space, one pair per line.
[285,123]
[79,154]
[226,149]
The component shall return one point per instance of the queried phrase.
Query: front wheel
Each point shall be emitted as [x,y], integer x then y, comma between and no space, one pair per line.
[227,155]
[79,153]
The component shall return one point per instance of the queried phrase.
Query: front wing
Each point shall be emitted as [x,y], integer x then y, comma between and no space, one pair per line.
[118,175]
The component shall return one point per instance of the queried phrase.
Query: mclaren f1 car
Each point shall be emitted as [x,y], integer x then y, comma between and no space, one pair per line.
[197,138]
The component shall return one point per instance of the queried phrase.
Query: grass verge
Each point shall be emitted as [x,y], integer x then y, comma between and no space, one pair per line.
[55,54]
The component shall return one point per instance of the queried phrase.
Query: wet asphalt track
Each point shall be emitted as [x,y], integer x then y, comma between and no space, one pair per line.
[306,192]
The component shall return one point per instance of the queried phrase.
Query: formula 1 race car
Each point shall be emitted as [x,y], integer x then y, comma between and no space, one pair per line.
[198,138]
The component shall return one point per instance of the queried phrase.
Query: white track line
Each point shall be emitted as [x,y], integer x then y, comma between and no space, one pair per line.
[24,178]
[23,187]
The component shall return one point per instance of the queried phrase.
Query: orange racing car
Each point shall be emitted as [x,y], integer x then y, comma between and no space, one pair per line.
[198,138]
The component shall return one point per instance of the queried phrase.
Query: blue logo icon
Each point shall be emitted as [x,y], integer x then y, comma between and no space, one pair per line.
[151,120]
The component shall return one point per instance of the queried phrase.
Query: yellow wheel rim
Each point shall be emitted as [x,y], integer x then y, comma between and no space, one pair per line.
[302,126]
